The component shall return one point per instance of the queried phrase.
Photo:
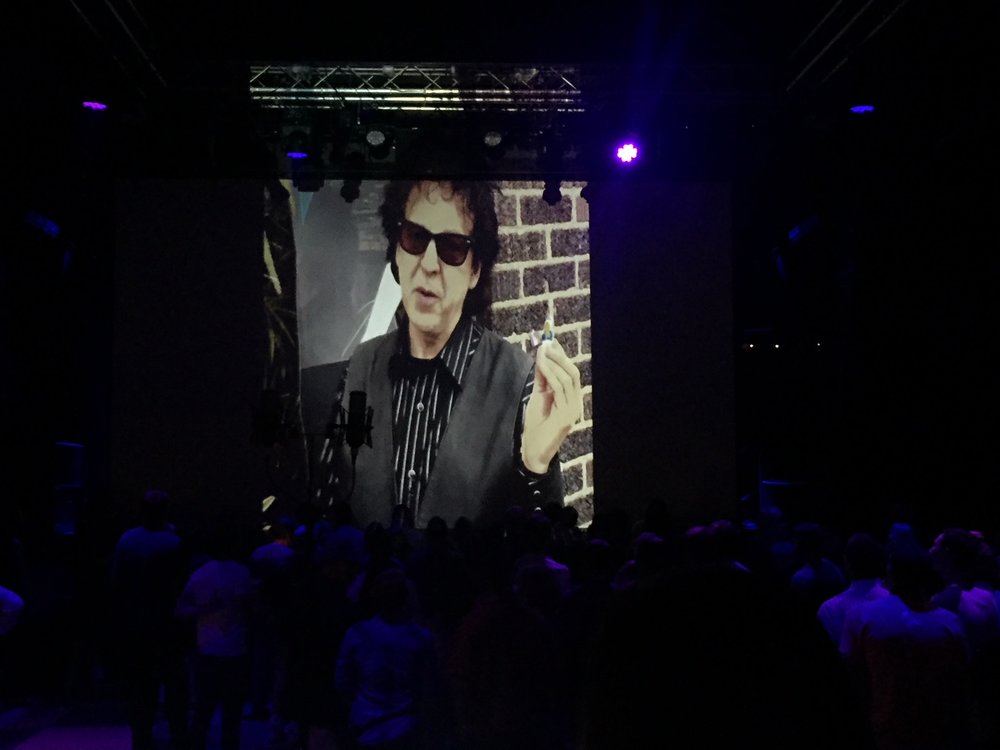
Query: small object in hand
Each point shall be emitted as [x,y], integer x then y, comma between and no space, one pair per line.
[548,332]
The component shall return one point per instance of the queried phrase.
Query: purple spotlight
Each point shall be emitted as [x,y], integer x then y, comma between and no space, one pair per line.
[95,105]
[297,154]
[860,109]
[627,153]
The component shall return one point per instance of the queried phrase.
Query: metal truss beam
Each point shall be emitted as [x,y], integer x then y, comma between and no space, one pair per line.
[419,87]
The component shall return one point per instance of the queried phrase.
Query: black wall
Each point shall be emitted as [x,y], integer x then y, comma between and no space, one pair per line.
[189,344]
[664,399]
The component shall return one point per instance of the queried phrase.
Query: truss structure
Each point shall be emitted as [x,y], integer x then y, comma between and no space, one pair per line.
[419,88]
[553,118]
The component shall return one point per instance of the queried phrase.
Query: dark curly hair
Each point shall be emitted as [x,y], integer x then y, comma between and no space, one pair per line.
[480,197]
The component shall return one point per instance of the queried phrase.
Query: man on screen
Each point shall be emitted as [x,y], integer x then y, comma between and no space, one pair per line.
[464,422]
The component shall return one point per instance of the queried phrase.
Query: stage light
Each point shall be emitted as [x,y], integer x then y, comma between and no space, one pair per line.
[350,191]
[552,194]
[627,153]
[494,143]
[297,145]
[353,165]
[861,109]
[96,106]
[379,142]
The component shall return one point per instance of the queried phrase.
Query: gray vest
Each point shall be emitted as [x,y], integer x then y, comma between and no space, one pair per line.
[474,471]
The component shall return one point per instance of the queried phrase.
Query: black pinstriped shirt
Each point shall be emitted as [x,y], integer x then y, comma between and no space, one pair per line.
[424,392]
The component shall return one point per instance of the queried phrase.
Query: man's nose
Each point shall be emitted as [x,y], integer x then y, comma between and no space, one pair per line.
[429,260]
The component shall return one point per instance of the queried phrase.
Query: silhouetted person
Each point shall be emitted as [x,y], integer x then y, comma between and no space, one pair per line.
[957,555]
[506,664]
[706,655]
[321,613]
[911,661]
[11,606]
[441,578]
[218,597]
[148,571]
[536,550]
[387,670]
[379,557]
[864,563]
[271,565]
[818,578]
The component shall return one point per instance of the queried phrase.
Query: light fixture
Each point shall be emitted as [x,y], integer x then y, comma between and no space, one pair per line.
[297,145]
[627,152]
[354,167]
[350,191]
[307,177]
[494,143]
[96,106]
[379,142]
[861,109]
[552,194]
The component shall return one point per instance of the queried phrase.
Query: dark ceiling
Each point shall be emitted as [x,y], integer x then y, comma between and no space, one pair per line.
[177,67]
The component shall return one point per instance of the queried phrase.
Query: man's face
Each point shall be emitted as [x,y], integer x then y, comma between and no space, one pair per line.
[433,291]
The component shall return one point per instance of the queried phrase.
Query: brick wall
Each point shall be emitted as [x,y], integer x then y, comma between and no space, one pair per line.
[544,271]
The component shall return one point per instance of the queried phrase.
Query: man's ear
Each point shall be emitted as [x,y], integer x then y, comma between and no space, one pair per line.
[474,279]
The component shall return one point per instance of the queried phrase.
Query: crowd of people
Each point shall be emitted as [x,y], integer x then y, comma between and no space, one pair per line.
[536,633]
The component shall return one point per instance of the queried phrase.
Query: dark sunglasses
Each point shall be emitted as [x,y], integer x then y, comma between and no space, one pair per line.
[451,248]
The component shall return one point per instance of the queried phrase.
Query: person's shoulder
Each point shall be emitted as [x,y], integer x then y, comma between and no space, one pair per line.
[372,344]
[832,605]
[493,340]
[134,533]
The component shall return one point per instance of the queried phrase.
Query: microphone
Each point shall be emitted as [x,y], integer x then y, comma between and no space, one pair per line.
[357,424]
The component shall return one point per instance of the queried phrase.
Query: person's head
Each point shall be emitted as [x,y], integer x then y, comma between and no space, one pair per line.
[341,514]
[537,533]
[442,245]
[864,557]
[911,574]
[723,540]
[955,554]
[280,531]
[436,533]
[378,543]
[153,510]
[568,517]
[810,542]
[393,595]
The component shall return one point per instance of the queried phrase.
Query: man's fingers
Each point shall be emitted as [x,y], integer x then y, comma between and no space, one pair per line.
[559,379]
[557,355]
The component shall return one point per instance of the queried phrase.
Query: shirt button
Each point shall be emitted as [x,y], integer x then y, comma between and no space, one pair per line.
[411,473]
[420,406]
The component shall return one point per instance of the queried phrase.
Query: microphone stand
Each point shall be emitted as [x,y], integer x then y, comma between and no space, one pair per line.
[356,425]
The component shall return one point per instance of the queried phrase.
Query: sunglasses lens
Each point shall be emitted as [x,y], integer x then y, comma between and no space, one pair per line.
[452,249]
[413,239]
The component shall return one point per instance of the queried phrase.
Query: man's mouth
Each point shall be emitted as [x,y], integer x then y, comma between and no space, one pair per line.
[425,293]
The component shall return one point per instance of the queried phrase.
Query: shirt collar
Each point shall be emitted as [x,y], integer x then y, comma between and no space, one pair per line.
[453,358]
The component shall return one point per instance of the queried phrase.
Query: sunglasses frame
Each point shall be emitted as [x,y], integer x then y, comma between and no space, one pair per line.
[448,237]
